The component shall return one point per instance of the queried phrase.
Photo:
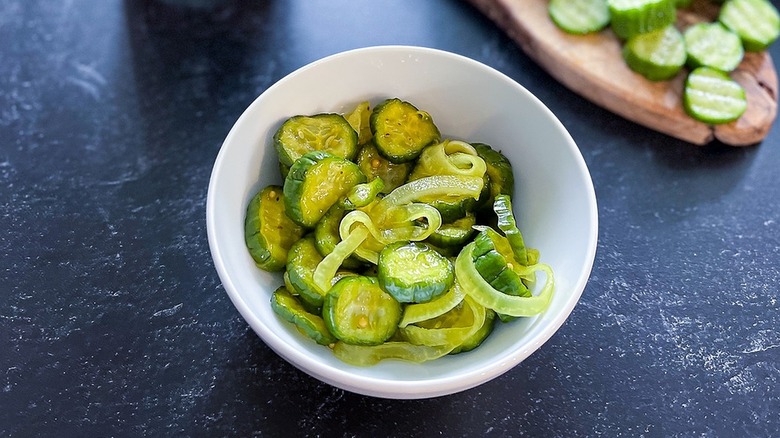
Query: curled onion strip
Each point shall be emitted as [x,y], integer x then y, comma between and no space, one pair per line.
[485,294]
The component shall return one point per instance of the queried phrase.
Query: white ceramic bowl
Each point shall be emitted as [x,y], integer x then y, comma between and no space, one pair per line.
[554,201]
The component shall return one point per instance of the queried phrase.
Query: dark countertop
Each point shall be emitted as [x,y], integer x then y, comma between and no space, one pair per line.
[113,321]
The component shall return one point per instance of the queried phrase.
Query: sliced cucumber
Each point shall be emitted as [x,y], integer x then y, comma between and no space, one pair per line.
[413,272]
[321,132]
[357,311]
[507,223]
[499,171]
[579,16]
[268,232]
[326,235]
[316,182]
[757,22]
[373,165]
[454,234]
[711,96]
[401,131]
[632,17]
[494,267]
[658,55]
[290,309]
[477,338]
[302,260]
[712,45]
[455,158]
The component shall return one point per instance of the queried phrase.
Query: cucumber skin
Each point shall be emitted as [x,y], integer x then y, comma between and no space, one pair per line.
[501,178]
[627,20]
[492,266]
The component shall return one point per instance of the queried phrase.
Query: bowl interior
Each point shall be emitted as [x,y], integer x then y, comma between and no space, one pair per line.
[554,201]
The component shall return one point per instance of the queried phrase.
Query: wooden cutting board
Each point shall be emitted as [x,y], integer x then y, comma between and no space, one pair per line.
[593,67]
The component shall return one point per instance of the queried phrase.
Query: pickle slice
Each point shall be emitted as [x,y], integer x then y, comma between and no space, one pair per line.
[302,260]
[401,131]
[373,165]
[711,96]
[413,272]
[321,132]
[290,309]
[268,232]
[357,311]
[315,183]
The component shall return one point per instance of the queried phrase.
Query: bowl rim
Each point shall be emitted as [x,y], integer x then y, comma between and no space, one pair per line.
[388,388]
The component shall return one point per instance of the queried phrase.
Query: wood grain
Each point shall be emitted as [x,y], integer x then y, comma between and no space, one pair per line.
[592,66]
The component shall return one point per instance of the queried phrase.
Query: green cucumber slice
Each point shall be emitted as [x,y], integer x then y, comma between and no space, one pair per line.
[579,17]
[302,260]
[632,17]
[501,177]
[401,131]
[454,234]
[413,272]
[357,311]
[711,96]
[477,338]
[315,183]
[290,309]
[494,267]
[326,235]
[374,165]
[712,45]
[320,132]
[268,232]
[658,55]
[757,22]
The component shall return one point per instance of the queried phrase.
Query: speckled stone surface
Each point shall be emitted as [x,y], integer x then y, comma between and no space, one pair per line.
[113,321]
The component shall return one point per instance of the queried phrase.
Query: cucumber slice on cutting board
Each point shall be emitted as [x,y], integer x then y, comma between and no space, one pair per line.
[579,16]
[712,45]
[585,66]
[658,55]
[711,96]
[757,22]
[632,17]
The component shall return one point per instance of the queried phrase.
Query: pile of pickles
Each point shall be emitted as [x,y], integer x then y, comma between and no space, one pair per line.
[394,243]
